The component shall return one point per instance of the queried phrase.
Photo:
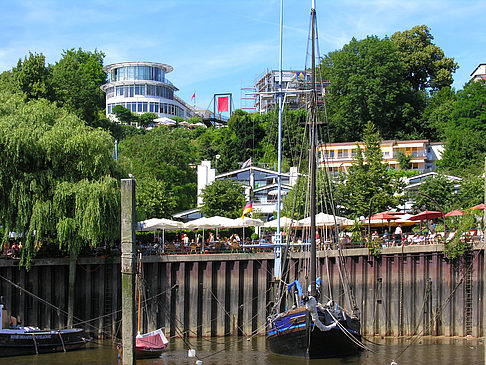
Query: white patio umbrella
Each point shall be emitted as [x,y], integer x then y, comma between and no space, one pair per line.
[284,222]
[246,222]
[162,224]
[323,219]
[154,224]
[209,223]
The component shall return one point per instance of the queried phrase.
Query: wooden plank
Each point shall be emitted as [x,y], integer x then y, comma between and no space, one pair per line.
[220,295]
[193,298]
[247,299]
[234,295]
[207,299]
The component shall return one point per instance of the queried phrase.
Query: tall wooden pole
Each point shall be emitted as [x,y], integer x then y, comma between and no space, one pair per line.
[128,270]
[312,160]
[484,266]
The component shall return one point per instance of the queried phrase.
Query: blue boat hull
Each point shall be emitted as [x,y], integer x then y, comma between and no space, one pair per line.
[290,335]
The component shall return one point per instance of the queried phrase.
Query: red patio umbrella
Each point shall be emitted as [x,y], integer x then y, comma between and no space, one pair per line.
[427,214]
[454,213]
[384,216]
[394,213]
[479,206]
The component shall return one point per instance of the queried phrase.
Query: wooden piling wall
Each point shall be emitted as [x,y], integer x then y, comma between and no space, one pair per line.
[405,291]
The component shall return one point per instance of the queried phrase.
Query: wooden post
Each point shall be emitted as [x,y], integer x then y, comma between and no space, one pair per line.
[128,270]
[72,282]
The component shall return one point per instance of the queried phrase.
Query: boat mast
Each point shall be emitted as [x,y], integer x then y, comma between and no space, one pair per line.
[312,159]
[278,236]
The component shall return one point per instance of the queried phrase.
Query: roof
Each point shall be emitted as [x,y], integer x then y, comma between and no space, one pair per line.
[166,68]
[261,169]
[481,64]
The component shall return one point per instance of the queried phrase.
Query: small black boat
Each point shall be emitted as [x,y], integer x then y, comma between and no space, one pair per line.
[18,340]
[294,333]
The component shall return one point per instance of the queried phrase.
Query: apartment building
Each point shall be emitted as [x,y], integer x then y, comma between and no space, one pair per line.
[338,157]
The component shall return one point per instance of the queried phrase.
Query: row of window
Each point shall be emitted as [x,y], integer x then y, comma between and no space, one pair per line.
[152,107]
[129,91]
[136,73]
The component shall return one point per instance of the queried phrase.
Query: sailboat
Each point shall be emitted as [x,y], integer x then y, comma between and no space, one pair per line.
[148,345]
[310,329]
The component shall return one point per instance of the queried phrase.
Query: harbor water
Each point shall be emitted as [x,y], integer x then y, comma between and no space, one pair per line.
[241,351]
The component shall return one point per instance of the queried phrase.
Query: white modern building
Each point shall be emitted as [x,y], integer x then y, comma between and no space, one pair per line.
[260,184]
[479,72]
[143,87]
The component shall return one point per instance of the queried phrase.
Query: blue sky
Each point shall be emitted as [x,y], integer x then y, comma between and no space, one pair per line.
[219,46]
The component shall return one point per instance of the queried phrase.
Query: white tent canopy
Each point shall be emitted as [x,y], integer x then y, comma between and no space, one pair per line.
[246,222]
[154,224]
[284,222]
[208,223]
[323,219]
[164,120]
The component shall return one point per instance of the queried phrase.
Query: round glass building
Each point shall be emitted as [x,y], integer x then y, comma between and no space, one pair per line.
[142,87]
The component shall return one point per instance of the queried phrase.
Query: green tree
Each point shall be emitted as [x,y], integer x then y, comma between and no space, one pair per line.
[295,203]
[367,182]
[167,156]
[56,178]
[367,84]
[404,160]
[32,77]
[426,65]
[77,78]
[466,132]
[437,114]
[146,119]
[434,190]
[154,199]
[471,192]
[224,198]
[124,115]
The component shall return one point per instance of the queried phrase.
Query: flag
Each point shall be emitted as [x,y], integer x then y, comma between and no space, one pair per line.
[247,163]
[247,209]
[193,96]
[223,104]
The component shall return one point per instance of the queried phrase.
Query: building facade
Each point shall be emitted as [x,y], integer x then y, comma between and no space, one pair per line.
[142,87]
[479,72]
[260,184]
[338,157]
[294,82]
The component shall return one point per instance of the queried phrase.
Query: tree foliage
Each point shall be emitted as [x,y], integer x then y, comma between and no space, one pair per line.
[224,198]
[367,183]
[56,183]
[426,67]
[32,77]
[367,84]
[77,78]
[167,157]
[466,132]
[436,191]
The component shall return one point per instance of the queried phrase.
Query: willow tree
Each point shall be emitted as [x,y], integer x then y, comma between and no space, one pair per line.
[56,184]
